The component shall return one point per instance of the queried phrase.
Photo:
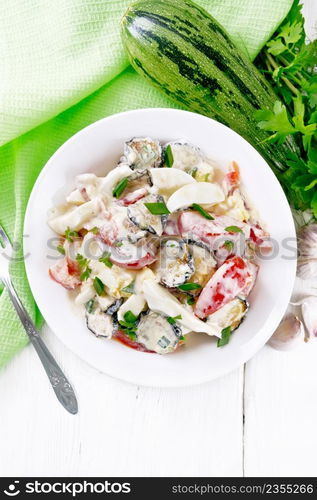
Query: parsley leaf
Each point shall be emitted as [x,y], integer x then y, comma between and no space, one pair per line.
[233,229]
[189,286]
[85,270]
[225,337]
[129,325]
[203,212]
[89,306]
[120,187]
[60,249]
[158,208]
[169,158]
[70,235]
[172,320]
[105,259]
[229,245]
[99,286]
[275,121]
[129,317]
[129,288]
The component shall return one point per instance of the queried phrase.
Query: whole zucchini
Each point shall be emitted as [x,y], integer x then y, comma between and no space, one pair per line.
[182,50]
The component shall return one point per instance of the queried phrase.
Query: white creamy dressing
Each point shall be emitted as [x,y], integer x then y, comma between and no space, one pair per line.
[92,205]
[136,302]
[233,206]
[114,278]
[76,217]
[76,197]
[162,301]
[99,191]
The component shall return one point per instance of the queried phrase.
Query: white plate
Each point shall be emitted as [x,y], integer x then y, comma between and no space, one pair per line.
[97,149]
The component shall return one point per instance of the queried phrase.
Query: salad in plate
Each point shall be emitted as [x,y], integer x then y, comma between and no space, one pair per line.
[164,245]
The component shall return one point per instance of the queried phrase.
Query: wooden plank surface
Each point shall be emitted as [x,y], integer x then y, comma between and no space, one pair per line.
[121,429]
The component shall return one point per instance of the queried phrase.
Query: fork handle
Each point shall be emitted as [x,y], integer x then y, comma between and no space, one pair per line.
[62,388]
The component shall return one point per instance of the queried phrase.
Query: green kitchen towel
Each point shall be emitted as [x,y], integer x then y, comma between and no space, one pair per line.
[63,67]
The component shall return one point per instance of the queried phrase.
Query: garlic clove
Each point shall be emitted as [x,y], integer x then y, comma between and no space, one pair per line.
[307,247]
[288,335]
[309,313]
[306,268]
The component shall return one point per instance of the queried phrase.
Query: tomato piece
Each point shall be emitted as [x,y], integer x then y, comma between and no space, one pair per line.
[225,284]
[258,235]
[253,269]
[231,180]
[134,196]
[134,263]
[124,339]
[109,232]
[61,274]
[73,267]
[194,225]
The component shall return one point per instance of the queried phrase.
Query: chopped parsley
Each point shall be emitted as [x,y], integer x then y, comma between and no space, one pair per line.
[172,320]
[85,270]
[60,249]
[233,229]
[129,317]
[229,245]
[105,259]
[157,208]
[225,337]
[129,325]
[129,288]
[189,286]
[194,172]
[99,286]
[169,158]
[70,235]
[94,230]
[120,187]
[203,212]
[89,306]
[190,301]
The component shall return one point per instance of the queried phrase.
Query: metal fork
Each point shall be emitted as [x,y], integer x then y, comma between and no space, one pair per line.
[62,388]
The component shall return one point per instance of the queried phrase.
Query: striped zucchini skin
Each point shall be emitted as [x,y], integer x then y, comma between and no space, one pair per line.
[181,49]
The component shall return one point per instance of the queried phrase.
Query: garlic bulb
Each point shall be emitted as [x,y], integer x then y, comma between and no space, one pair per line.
[288,335]
[307,246]
[309,313]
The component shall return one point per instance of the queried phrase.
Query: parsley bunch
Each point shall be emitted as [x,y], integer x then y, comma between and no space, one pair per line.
[290,64]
